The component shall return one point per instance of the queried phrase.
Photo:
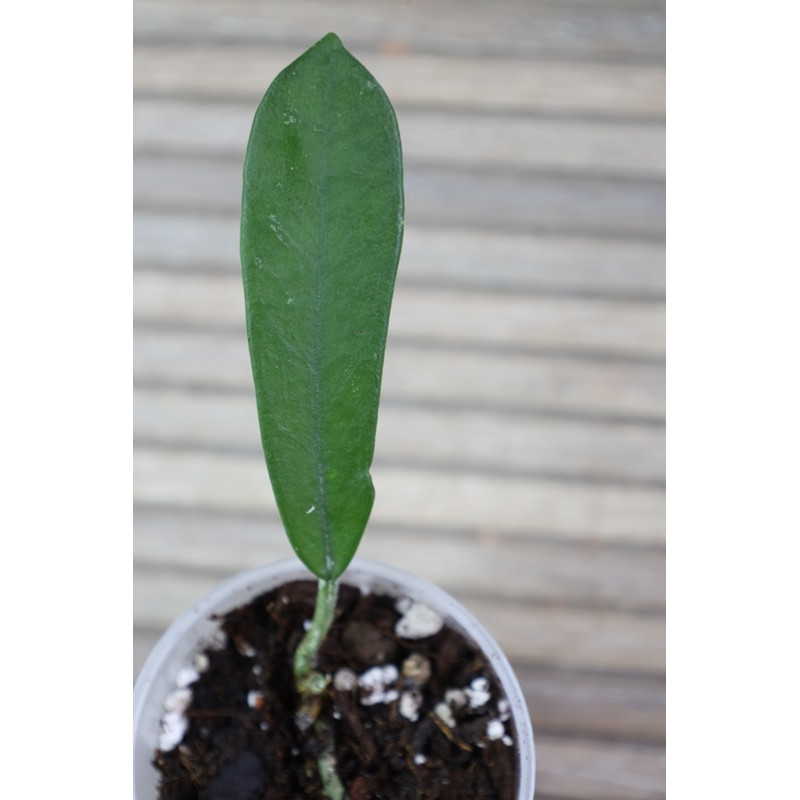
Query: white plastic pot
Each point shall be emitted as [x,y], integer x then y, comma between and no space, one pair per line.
[193,630]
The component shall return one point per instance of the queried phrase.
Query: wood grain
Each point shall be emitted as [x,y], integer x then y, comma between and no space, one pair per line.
[623,148]
[465,561]
[622,30]
[437,197]
[456,257]
[571,768]
[458,439]
[534,382]
[243,72]
[423,497]
[625,708]
[437,315]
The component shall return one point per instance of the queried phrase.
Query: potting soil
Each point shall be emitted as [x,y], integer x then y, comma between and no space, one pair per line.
[439,729]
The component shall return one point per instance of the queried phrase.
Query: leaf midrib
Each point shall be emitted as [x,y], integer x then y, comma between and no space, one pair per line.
[317,411]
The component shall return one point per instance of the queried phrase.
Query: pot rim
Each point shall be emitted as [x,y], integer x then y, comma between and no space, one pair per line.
[192,630]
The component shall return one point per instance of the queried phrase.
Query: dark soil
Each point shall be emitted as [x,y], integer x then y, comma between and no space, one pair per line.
[233,751]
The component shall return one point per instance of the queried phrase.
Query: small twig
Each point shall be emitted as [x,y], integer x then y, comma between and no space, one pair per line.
[442,726]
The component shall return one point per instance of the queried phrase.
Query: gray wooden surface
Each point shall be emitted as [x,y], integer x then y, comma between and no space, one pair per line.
[520,453]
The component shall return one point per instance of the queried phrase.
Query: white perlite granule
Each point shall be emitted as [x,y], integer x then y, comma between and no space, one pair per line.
[174,724]
[376,685]
[418,621]
[455,698]
[186,676]
[173,728]
[445,714]
[410,704]
[495,730]
[201,662]
[402,604]
[504,709]
[178,701]
[478,693]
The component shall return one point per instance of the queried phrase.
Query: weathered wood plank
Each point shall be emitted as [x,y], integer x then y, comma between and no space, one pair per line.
[436,315]
[619,30]
[554,637]
[528,383]
[588,770]
[462,561]
[535,264]
[436,197]
[567,638]
[581,205]
[434,256]
[456,439]
[242,72]
[622,707]
[457,139]
[493,505]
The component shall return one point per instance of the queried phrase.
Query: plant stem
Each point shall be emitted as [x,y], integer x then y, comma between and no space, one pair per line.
[331,784]
[305,659]
[311,686]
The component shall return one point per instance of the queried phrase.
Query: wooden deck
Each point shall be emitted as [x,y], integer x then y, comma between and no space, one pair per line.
[520,454]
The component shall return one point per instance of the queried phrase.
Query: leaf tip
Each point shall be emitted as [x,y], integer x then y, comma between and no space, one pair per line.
[332,41]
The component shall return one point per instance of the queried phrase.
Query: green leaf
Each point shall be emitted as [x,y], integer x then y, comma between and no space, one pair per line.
[322,223]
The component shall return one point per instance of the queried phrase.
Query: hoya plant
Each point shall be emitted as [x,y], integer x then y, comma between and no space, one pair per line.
[321,232]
